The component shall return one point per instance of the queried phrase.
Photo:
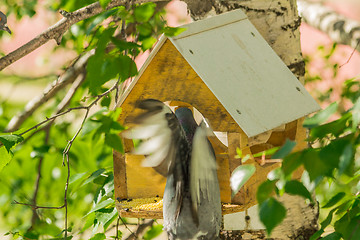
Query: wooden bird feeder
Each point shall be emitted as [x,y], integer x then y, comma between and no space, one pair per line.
[222,67]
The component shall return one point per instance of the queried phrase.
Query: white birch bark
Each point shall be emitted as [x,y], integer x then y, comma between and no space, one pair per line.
[339,28]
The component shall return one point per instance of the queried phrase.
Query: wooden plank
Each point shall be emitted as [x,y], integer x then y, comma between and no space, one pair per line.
[120,187]
[142,182]
[176,83]
[234,162]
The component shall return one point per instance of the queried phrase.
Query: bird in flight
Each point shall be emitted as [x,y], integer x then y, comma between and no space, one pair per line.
[178,148]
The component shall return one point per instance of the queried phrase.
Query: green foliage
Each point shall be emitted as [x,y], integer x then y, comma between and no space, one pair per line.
[333,163]
[271,212]
[116,36]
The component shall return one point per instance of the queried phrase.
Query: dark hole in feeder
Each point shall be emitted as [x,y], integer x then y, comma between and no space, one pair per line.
[253,34]
[191,51]
[247,217]
[238,111]
[297,88]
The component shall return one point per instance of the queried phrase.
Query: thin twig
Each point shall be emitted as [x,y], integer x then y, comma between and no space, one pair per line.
[352,53]
[37,207]
[58,29]
[38,178]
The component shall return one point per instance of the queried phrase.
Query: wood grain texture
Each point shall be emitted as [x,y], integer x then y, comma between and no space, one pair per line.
[120,185]
[169,77]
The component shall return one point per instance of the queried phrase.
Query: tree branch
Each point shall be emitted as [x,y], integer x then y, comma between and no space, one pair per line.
[338,27]
[68,77]
[58,29]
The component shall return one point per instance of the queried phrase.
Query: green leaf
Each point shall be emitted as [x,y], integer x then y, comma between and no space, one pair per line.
[346,158]
[334,200]
[272,213]
[317,235]
[126,67]
[314,165]
[356,114]
[173,31]
[125,45]
[5,157]
[333,236]
[321,116]
[101,205]
[295,187]
[89,126]
[291,163]
[145,29]
[10,140]
[148,43]
[98,236]
[284,150]
[93,176]
[104,3]
[240,176]
[114,141]
[265,190]
[144,12]
[90,220]
[106,216]
[153,232]
[348,225]
[268,152]
[328,219]
[335,128]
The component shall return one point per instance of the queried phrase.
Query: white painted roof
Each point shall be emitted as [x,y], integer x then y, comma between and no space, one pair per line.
[244,73]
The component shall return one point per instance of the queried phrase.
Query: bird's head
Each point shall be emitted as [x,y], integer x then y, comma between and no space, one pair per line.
[3,23]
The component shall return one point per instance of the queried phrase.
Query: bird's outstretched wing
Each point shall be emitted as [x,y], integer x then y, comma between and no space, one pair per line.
[203,176]
[160,132]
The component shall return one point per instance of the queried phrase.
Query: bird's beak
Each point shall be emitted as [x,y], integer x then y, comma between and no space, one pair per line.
[6,28]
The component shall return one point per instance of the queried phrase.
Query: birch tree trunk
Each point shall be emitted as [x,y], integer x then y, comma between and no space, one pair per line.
[339,28]
[278,22]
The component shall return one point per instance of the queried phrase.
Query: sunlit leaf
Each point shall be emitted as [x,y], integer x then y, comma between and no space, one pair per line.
[171,31]
[106,216]
[5,157]
[94,175]
[356,114]
[328,219]
[144,12]
[10,140]
[98,236]
[272,213]
[334,200]
[321,116]
[101,205]
[104,3]
[240,176]
[153,232]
